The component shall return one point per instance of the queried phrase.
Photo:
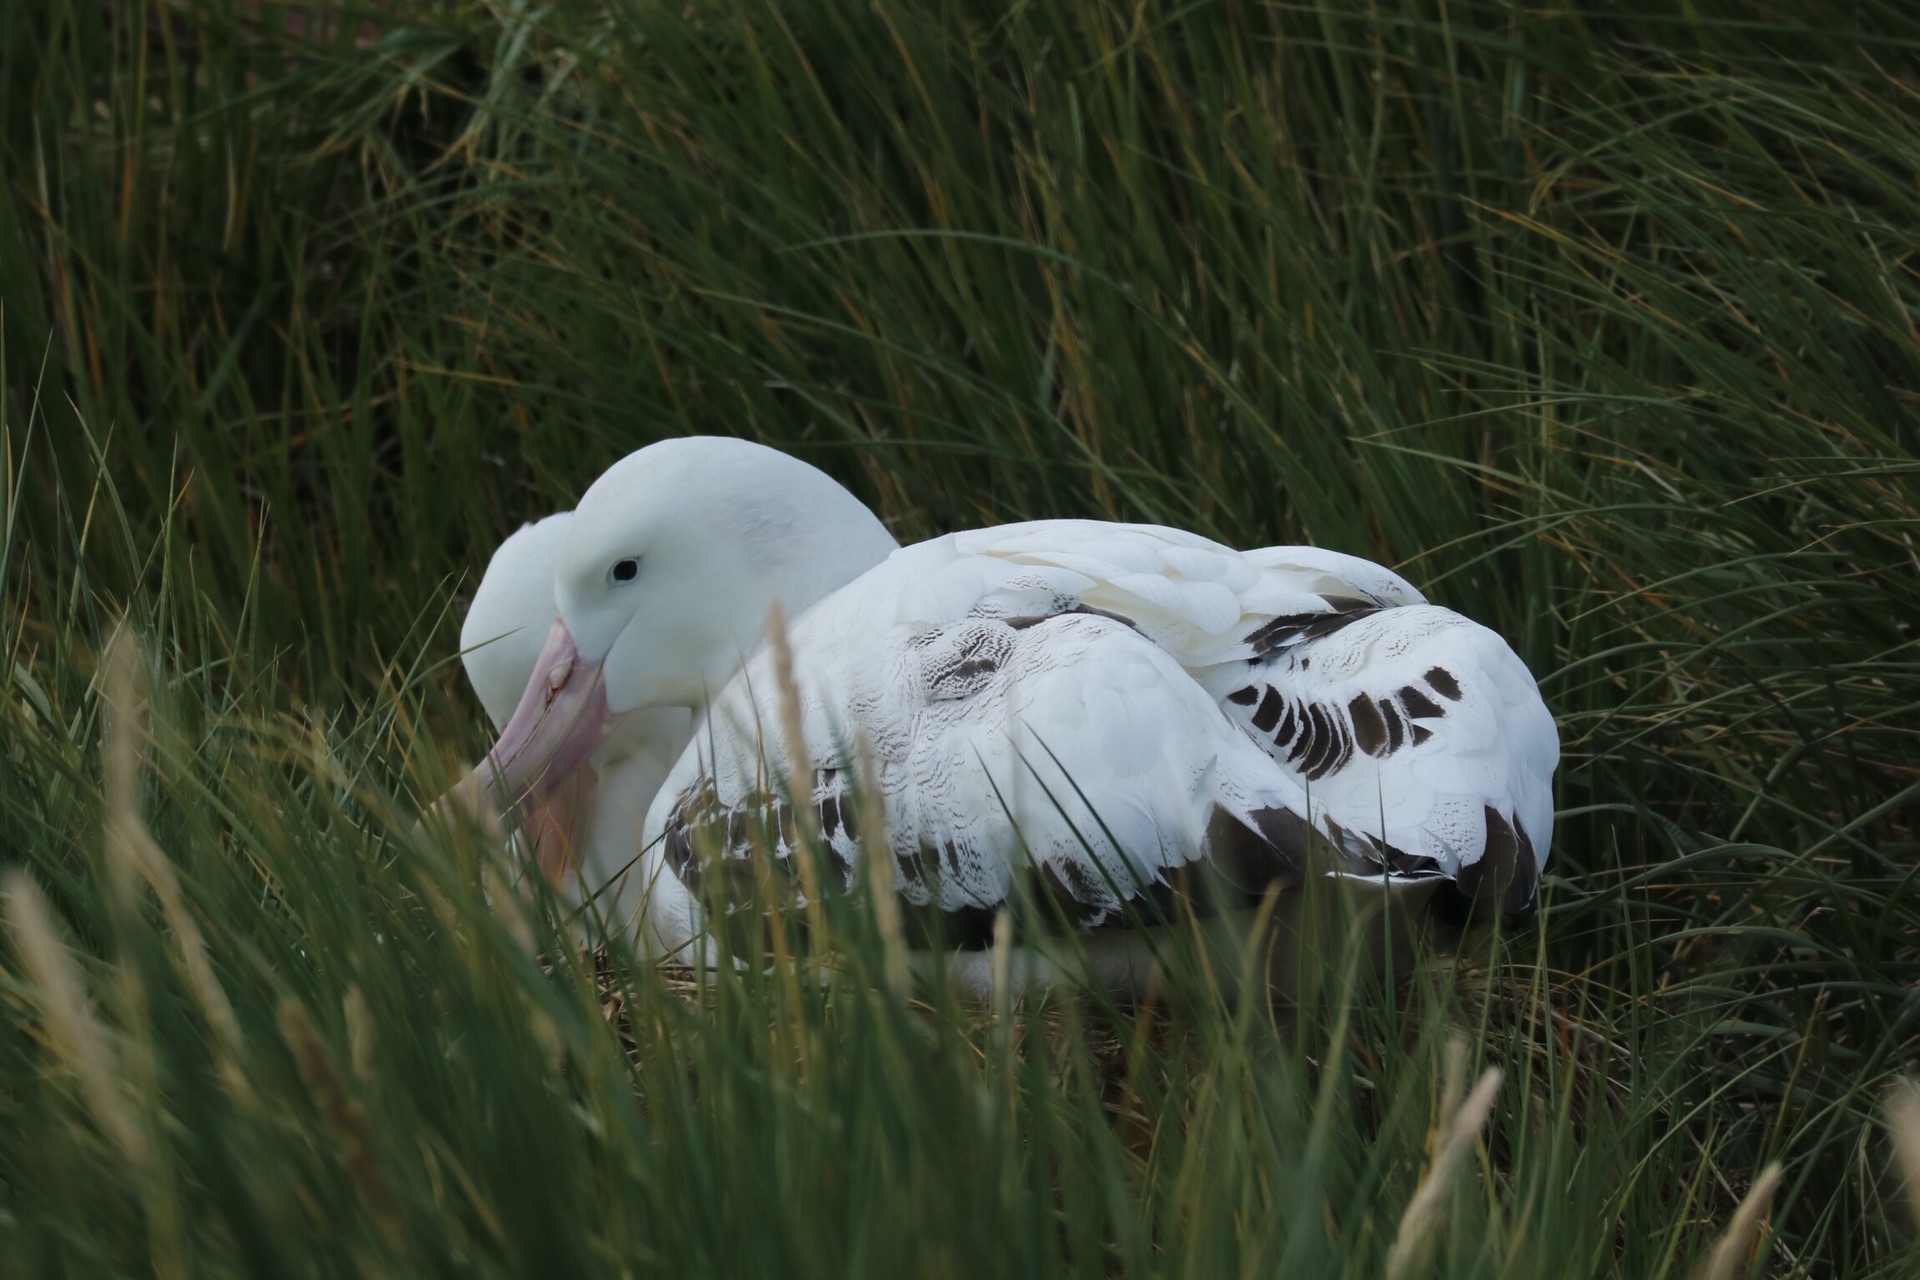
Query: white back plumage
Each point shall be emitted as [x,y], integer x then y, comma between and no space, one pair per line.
[1103,707]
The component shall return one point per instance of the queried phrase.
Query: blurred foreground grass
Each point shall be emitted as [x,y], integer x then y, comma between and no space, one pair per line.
[1600,326]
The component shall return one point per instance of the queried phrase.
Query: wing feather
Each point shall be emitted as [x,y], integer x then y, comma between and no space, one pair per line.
[1103,709]
[1420,736]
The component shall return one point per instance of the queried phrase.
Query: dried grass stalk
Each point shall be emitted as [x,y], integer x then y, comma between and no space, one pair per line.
[360,1035]
[132,852]
[880,873]
[1002,962]
[345,1116]
[1453,1087]
[1463,1122]
[72,1028]
[799,767]
[1733,1253]
[1903,1122]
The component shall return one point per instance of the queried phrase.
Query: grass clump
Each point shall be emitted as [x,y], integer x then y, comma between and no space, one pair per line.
[1599,326]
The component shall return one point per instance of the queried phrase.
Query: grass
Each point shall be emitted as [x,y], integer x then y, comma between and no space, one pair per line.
[1601,326]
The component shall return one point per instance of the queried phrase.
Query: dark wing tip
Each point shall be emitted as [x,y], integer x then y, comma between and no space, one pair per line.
[1506,875]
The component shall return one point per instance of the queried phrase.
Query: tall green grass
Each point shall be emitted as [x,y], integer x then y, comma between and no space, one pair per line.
[1600,326]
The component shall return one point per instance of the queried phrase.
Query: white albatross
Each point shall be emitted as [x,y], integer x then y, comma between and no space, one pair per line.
[1134,724]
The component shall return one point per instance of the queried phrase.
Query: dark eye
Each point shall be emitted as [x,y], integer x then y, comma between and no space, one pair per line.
[623,572]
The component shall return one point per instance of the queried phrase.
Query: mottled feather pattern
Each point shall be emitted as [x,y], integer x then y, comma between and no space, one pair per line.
[1101,710]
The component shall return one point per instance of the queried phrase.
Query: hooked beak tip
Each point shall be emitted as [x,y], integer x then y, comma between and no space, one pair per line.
[561,720]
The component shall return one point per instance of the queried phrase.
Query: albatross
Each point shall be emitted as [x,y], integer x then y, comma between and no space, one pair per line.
[1133,724]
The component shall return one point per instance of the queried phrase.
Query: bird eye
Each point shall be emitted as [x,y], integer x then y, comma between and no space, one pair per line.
[623,572]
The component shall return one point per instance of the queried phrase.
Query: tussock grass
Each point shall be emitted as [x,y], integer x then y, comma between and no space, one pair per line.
[1600,326]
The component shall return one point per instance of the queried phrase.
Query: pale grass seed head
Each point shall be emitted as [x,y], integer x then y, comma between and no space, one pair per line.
[73,1030]
[1733,1252]
[1903,1122]
[1462,1120]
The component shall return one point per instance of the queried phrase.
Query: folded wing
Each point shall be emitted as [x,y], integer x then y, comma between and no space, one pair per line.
[1112,718]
